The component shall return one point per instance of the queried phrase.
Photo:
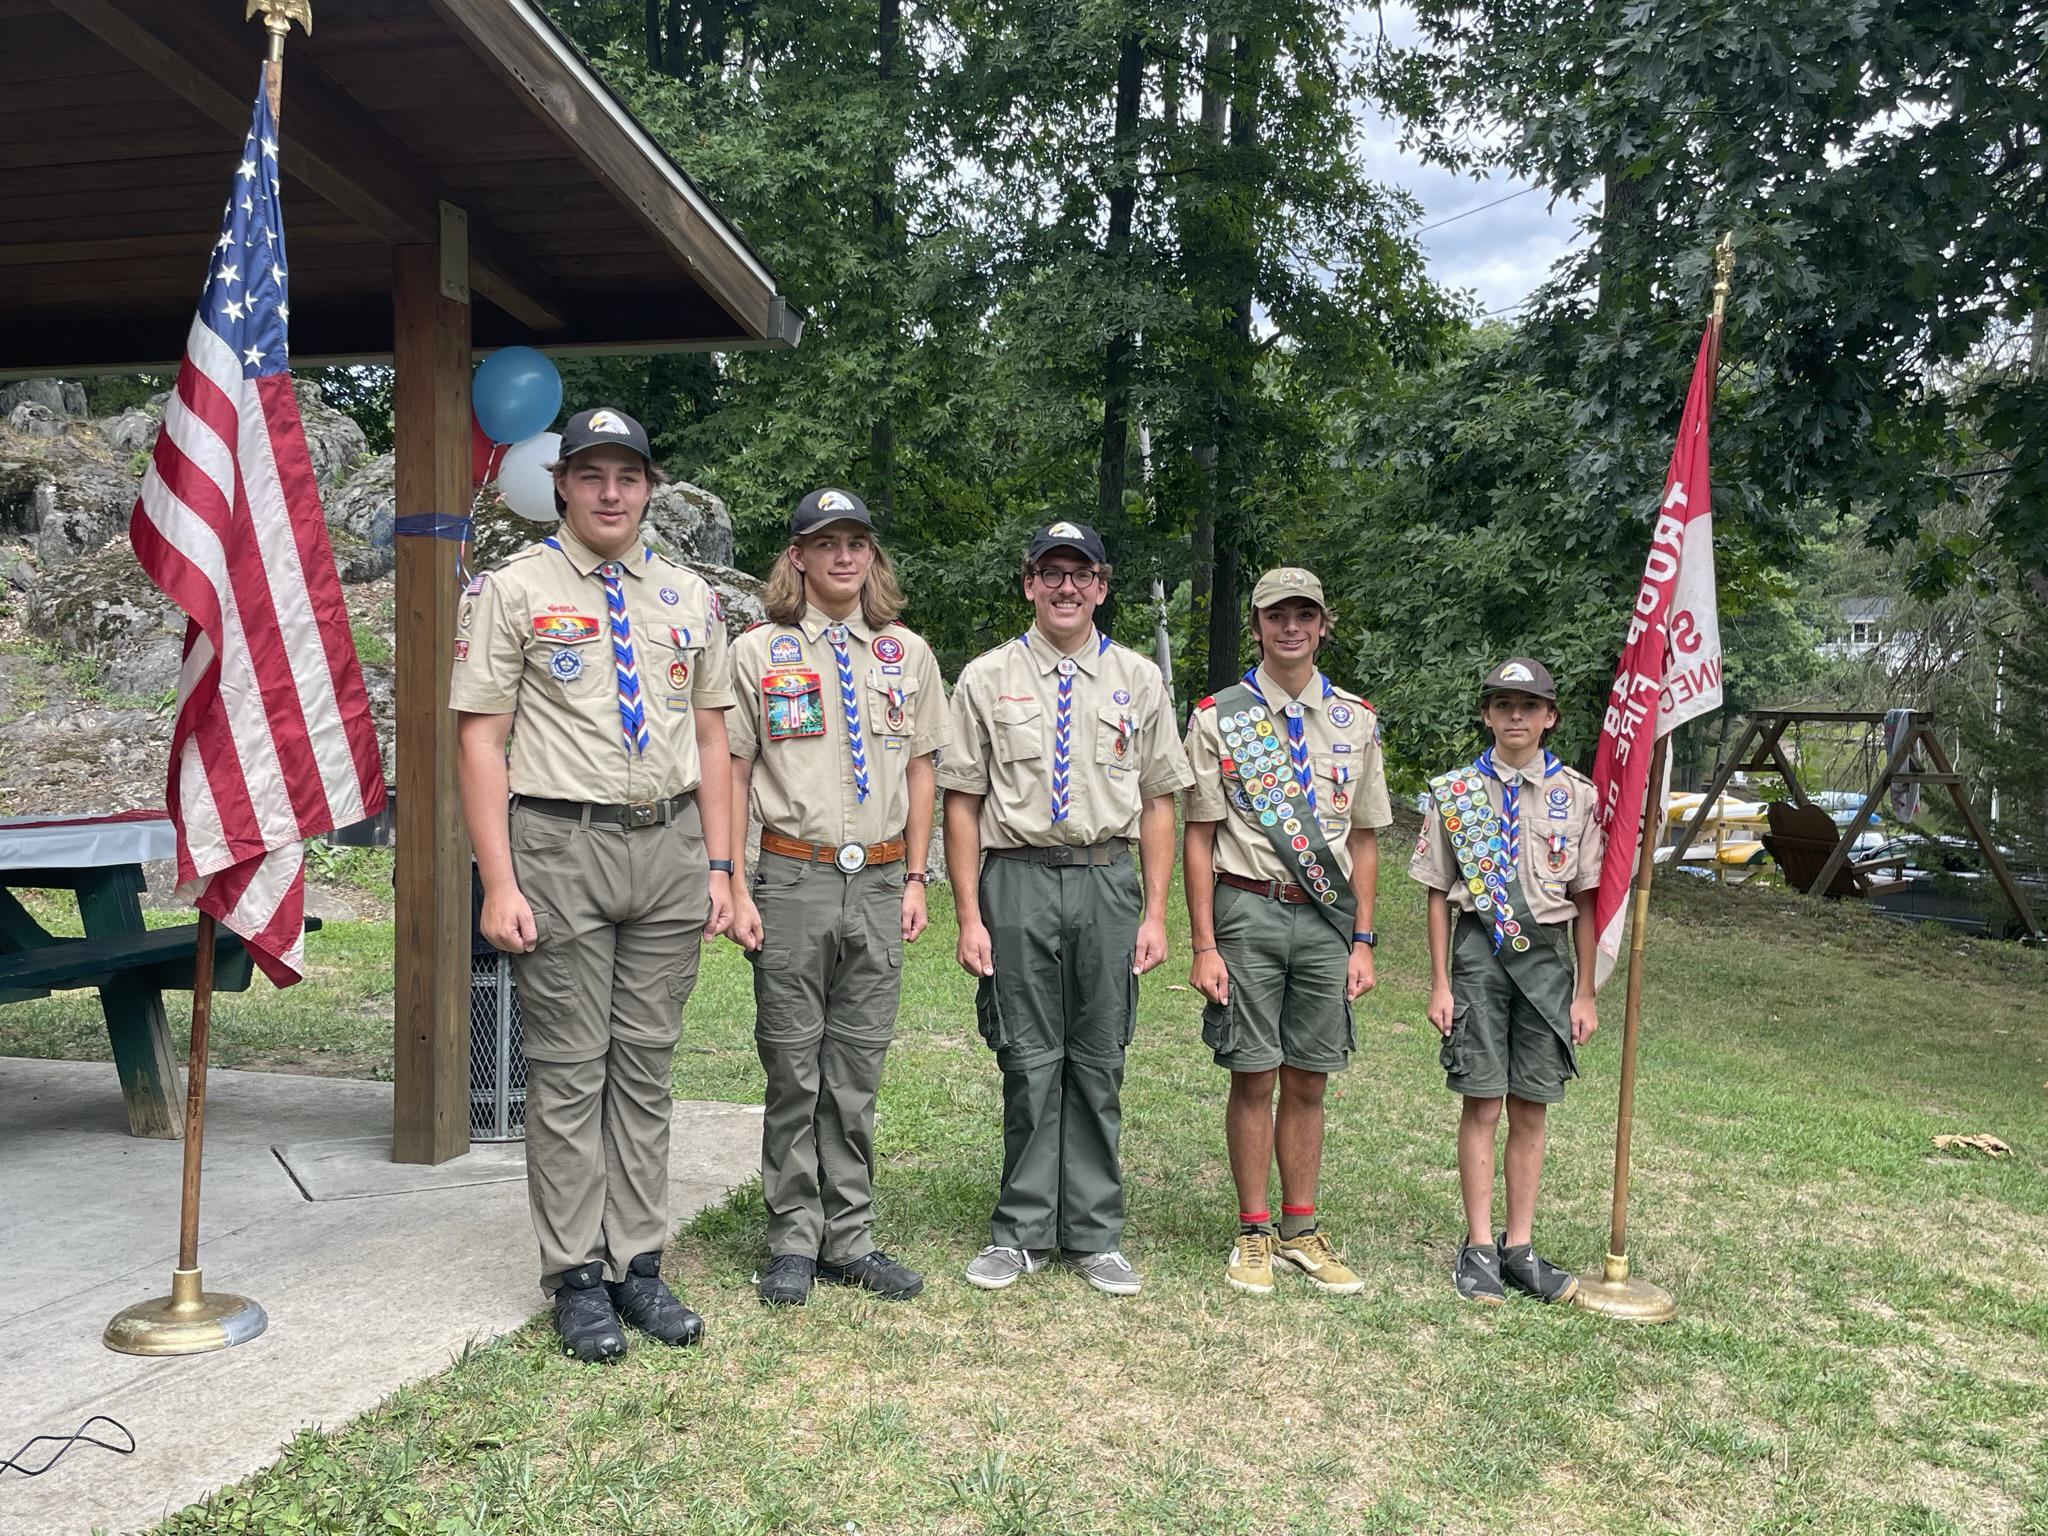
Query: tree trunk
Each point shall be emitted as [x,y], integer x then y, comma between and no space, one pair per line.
[1121,352]
[653,31]
[678,33]
[888,245]
[1202,576]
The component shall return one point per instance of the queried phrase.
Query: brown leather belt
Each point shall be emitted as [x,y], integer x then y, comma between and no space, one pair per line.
[1272,890]
[849,857]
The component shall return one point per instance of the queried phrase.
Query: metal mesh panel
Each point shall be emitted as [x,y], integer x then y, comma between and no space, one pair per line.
[497,1065]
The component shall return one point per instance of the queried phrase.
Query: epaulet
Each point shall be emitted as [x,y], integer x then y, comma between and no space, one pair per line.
[1573,773]
[1208,703]
[1351,698]
[759,624]
[522,554]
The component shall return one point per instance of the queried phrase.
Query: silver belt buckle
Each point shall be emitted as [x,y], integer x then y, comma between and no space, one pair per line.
[851,858]
[642,813]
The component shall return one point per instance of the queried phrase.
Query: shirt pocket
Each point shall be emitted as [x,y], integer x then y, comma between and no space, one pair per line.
[571,666]
[892,708]
[1336,783]
[675,654]
[1116,740]
[1019,730]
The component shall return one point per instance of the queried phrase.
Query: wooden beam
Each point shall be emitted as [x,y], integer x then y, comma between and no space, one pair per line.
[575,104]
[1902,749]
[431,427]
[1714,788]
[1946,774]
[335,147]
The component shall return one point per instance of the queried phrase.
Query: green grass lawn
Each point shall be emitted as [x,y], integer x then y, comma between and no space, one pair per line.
[1862,1347]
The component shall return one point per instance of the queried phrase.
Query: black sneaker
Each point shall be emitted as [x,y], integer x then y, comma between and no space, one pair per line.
[652,1307]
[875,1271]
[1534,1276]
[584,1318]
[1478,1274]
[786,1282]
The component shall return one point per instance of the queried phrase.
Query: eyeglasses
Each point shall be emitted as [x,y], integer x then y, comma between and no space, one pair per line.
[1055,578]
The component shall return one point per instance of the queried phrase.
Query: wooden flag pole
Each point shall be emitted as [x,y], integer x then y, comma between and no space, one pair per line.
[1614,1291]
[193,1320]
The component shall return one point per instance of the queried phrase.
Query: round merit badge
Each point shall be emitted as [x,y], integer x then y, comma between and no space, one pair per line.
[679,674]
[566,664]
[888,648]
[671,596]
[1340,714]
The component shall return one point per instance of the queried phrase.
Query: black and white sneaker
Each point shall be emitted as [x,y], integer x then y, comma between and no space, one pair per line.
[1477,1274]
[1532,1275]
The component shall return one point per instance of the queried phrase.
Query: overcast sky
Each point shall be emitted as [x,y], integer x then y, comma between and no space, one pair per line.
[1499,253]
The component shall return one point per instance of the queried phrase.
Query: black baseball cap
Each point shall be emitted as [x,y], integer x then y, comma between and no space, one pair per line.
[1520,674]
[605,427]
[1079,537]
[826,506]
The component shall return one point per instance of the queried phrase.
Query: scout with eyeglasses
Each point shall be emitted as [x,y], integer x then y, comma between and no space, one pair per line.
[1064,751]
[1281,856]
[602,666]
[1510,854]
[834,749]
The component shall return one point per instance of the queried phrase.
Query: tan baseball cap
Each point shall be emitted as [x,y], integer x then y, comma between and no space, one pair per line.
[1286,581]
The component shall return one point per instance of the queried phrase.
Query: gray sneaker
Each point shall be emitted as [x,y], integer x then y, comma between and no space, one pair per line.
[1108,1272]
[997,1268]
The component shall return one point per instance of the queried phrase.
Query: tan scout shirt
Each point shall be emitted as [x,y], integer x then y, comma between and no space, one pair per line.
[1124,750]
[1561,846]
[533,640]
[1343,738]
[791,722]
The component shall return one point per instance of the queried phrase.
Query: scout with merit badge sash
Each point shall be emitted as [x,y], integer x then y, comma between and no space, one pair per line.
[1273,783]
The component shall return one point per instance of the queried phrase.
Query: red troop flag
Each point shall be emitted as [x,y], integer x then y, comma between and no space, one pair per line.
[273,742]
[1670,669]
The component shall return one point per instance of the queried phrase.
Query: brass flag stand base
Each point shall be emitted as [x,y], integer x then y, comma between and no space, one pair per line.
[189,1321]
[1615,1293]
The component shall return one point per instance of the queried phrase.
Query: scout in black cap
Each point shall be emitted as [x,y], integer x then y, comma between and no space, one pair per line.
[823,507]
[604,427]
[1079,537]
[1510,855]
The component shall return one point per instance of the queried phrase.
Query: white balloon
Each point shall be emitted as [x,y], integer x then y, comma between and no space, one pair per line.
[523,478]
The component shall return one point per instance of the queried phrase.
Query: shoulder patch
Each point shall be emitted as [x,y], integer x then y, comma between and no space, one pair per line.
[1208,703]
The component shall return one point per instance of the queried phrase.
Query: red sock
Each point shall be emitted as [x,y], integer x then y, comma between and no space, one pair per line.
[1255,1218]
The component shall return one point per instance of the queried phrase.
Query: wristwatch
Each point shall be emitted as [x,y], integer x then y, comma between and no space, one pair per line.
[920,876]
[721,866]
[1368,938]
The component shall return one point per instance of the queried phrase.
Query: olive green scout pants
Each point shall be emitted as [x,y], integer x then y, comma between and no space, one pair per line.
[827,980]
[619,916]
[1058,1013]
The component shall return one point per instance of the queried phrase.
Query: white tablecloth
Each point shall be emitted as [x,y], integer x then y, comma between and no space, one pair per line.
[85,842]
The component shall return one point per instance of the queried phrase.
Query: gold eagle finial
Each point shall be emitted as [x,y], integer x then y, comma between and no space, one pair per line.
[279,14]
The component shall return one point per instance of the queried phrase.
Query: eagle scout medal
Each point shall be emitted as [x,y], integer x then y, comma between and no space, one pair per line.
[679,673]
[892,716]
[793,704]
[1556,853]
[888,648]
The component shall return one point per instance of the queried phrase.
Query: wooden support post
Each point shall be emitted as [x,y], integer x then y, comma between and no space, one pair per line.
[431,427]
[1902,751]
[1714,788]
[136,1027]
[1946,774]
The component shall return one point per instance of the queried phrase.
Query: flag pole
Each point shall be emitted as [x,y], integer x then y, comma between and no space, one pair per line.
[193,1320]
[1614,1292]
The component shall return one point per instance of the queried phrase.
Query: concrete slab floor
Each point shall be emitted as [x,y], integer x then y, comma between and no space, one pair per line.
[365,1290]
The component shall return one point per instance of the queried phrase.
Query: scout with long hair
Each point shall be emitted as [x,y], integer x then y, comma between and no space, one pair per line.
[881,595]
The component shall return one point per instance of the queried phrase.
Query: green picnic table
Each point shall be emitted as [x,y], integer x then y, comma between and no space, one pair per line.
[100,859]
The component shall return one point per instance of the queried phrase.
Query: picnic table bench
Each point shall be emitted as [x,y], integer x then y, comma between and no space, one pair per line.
[100,859]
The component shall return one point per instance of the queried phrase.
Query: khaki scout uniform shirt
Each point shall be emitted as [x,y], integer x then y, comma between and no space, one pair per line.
[1123,747]
[791,722]
[533,640]
[1561,845]
[1343,737]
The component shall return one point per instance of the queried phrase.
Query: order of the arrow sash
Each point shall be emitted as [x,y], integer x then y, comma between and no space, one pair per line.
[1257,761]
[1479,845]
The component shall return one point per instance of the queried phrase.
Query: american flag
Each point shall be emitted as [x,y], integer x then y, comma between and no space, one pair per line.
[274,742]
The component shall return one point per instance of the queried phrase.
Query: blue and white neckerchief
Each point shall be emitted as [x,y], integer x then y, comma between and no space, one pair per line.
[1510,800]
[1063,729]
[1297,736]
[856,744]
[625,669]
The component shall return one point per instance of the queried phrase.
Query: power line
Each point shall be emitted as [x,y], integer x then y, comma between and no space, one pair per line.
[1440,223]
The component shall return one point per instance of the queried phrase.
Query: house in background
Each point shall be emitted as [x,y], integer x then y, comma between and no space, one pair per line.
[1866,633]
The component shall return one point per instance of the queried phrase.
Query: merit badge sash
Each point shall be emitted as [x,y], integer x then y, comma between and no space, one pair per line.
[1480,843]
[1254,756]
[793,704]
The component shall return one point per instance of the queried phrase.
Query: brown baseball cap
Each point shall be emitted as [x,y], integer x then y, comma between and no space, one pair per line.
[1286,581]
[1520,674]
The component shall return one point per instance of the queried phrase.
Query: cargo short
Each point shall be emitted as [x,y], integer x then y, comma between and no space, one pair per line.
[1287,966]
[1502,1041]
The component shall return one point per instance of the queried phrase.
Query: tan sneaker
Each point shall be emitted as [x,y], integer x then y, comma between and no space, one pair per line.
[1312,1254]
[1251,1263]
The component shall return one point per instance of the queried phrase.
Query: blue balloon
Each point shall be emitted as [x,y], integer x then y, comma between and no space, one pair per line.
[517,393]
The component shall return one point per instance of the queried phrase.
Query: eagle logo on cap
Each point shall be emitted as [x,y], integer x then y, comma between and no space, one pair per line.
[1515,672]
[835,501]
[605,421]
[1063,531]
[1290,578]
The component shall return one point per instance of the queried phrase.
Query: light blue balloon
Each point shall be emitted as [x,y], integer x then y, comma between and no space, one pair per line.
[516,392]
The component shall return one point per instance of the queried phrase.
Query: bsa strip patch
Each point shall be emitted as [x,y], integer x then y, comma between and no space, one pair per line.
[793,705]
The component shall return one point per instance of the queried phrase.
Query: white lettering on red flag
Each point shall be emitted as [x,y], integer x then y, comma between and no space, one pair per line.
[1670,669]
[273,742]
